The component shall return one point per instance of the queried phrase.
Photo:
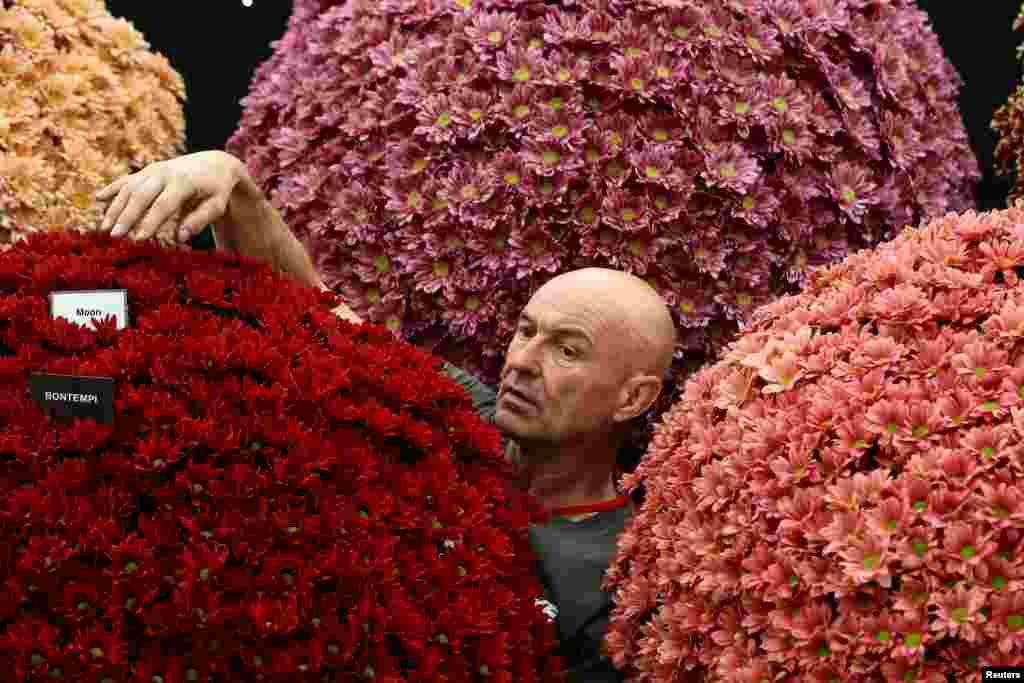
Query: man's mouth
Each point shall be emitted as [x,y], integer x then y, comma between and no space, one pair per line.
[517,396]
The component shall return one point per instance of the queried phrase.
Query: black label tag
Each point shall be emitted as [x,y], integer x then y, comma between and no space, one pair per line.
[69,396]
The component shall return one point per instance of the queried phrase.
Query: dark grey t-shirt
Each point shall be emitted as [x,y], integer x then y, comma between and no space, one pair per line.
[574,557]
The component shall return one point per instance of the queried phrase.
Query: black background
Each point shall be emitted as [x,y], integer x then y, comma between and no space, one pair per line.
[217,52]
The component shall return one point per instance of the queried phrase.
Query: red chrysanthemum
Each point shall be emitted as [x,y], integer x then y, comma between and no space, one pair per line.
[839,498]
[282,495]
[749,141]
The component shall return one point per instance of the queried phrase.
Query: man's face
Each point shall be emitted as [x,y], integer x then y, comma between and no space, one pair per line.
[563,373]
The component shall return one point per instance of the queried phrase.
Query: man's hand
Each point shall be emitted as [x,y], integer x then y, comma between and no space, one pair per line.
[197,186]
[208,188]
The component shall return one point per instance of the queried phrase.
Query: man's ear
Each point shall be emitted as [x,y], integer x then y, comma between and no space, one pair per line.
[637,395]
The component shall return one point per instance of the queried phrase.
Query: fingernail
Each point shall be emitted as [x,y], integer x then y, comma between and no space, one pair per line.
[183,235]
[117,231]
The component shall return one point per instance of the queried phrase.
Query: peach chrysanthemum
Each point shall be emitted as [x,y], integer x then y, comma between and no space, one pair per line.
[82,102]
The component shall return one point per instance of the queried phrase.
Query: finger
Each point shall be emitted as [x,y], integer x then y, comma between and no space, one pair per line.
[208,212]
[116,207]
[167,205]
[140,199]
[113,188]
[170,226]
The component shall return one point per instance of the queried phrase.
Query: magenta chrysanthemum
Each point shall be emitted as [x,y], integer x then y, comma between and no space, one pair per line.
[718,148]
[838,498]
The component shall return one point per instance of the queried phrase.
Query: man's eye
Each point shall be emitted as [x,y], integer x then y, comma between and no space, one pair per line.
[524,332]
[568,352]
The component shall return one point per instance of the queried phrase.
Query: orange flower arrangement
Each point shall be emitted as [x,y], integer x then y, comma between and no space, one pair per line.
[82,101]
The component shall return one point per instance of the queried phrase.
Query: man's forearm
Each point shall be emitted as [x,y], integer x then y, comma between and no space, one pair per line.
[252,227]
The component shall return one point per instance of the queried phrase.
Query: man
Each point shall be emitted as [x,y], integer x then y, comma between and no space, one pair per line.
[588,356]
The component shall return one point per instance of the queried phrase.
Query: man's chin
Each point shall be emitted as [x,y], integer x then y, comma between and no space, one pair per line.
[512,424]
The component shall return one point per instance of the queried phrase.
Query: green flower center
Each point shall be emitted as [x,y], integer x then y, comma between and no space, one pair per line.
[968,551]
[681,32]
[651,172]
[636,84]
[999,583]
[414,200]
[727,171]
[560,131]
[546,186]
[742,107]
[522,74]
[441,269]
[499,243]
[747,203]
[920,548]
[754,43]
[555,103]
[920,597]
[849,196]
[476,114]
[988,451]
[980,372]
[960,615]
[616,139]
[636,247]
[883,636]
[920,505]
[913,639]
[551,157]
[780,104]
[1015,622]
[373,296]
[444,120]
[383,263]
[563,75]
[419,165]
[713,30]
[628,215]
[891,428]
[788,136]
[1001,512]
[920,431]
[989,406]
[495,37]
[521,111]
[872,561]
[472,303]
[661,135]
[512,178]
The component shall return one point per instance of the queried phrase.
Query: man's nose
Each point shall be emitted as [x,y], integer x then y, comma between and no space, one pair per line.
[524,357]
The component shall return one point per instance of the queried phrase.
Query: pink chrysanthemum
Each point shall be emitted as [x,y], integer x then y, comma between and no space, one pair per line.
[844,484]
[755,140]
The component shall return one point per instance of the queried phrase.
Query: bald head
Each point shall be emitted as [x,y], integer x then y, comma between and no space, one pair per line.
[633,315]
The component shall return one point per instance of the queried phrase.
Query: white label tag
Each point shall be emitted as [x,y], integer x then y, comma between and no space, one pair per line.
[82,307]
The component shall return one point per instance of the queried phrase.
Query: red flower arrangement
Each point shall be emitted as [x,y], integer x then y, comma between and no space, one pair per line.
[282,496]
[444,158]
[839,498]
